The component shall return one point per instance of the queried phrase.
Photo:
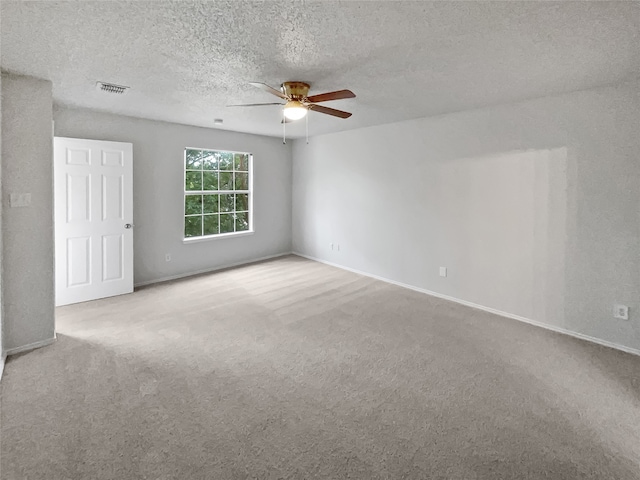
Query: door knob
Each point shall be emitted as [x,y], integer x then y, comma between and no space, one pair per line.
[128,225]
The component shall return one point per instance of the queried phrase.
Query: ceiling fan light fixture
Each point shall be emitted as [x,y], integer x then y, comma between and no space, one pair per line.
[294,110]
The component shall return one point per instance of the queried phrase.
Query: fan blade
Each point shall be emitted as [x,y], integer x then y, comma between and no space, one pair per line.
[254,104]
[329,111]
[267,88]
[337,95]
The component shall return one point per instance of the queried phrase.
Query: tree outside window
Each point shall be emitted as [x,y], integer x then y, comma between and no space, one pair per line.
[217,192]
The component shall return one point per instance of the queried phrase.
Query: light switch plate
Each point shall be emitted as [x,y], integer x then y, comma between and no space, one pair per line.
[20,200]
[443,271]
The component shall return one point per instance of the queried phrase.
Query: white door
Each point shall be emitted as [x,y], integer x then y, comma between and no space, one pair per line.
[93,183]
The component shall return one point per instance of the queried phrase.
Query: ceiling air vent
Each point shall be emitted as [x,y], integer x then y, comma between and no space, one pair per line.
[111,88]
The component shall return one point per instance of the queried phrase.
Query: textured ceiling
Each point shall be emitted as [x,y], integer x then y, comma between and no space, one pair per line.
[185,61]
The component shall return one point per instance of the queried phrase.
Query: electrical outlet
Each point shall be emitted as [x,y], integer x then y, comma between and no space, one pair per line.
[167,257]
[621,312]
[443,271]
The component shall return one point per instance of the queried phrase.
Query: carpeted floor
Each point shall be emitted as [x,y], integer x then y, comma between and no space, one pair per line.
[290,369]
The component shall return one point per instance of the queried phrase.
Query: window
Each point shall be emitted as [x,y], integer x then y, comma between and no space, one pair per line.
[217,192]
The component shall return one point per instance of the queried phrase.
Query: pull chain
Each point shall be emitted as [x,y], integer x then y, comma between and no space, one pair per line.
[284,128]
[307,124]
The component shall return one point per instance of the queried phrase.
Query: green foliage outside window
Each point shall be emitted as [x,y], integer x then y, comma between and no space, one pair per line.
[216,192]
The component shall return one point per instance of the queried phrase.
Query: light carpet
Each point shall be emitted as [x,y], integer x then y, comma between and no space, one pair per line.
[290,369]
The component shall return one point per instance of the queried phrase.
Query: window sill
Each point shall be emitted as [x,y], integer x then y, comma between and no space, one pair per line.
[217,237]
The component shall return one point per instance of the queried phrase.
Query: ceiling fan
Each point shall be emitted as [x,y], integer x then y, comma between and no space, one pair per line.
[297,103]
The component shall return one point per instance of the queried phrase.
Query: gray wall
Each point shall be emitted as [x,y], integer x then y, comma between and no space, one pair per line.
[27,232]
[158,150]
[534,207]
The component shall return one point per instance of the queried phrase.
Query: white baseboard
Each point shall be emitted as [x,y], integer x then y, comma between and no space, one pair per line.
[546,326]
[3,358]
[210,270]
[31,346]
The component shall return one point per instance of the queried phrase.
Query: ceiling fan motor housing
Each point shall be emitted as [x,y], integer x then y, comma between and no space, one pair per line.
[295,90]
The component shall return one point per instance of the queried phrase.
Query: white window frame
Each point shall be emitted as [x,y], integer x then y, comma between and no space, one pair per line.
[186,193]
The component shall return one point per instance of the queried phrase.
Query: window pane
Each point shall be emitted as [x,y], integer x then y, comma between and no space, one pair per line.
[242,181]
[225,160]
[194,159]
[192,204]
[226,181]
[226,222]
[209,173]
[211,224]
[210,204]
[210,180]
[193,181]
[226,202]
[193,226]
[242,221]
[242,202]
[241,162]
[209,160]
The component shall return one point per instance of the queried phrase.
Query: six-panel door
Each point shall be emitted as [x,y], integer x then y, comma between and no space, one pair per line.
[93,219]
